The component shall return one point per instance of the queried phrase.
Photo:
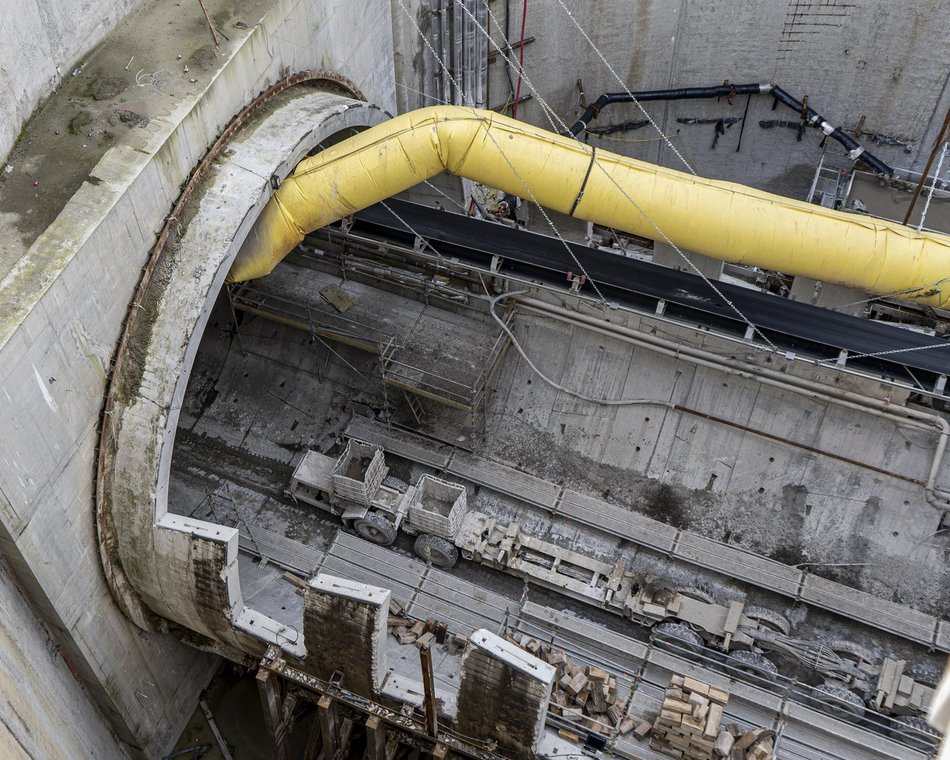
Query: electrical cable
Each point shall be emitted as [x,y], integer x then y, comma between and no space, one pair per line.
[623,84]
[524,19]
[493,300]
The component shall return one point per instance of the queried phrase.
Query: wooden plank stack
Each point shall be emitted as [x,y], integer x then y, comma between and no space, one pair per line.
[690,726]
[585,695]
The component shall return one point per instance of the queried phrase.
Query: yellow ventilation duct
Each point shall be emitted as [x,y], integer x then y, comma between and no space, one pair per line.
[723,220]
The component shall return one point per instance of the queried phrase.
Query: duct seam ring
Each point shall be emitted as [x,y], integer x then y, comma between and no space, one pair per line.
[856,153]
[580,193]
[827,128]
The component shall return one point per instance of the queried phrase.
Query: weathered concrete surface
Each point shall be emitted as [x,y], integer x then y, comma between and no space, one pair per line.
[503,694]
[345,621]
[879,63]
[62,304]
[45,711]
[182,569]
[791,476]
[42,41]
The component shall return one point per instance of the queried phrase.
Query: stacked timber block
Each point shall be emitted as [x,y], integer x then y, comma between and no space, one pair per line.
[690,726]
[586,695]
[421,633]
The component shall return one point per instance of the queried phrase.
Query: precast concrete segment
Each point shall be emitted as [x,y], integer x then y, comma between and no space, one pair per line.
[181,569]
[723,220]
[503,694]
[346,623]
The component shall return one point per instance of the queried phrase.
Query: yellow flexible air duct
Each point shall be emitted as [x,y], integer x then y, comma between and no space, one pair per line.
[723,220]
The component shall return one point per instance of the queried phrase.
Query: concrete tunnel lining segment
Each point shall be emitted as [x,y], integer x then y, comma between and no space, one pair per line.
[162,565]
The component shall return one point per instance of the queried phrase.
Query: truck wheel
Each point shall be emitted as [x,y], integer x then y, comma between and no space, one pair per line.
[753,662]
[768,619]
[376,528]
[436,550]
[853,653]
[681,634]
[838,702]
[915,731]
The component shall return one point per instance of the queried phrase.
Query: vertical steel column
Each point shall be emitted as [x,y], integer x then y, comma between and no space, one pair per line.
[444,38]
[270,702]
[458,97]
[428,682]
[327,710]
[375,738]
[312,750]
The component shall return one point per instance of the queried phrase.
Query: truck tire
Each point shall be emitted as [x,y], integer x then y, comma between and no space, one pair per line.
[682,634]
[838,702]
[854,653]
[436,550]
[376,528]
[768,619]
[914,731]
[753,662]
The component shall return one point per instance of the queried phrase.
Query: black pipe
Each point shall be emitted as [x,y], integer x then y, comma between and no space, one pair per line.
[809,116]
[816,120]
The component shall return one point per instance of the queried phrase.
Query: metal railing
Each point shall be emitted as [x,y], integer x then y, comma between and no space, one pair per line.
[417,379]
[360,333]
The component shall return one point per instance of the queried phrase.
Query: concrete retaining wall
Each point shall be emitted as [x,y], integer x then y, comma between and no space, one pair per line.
[788,474]
[45,711]
[42,41]
[61,311]
[881,64]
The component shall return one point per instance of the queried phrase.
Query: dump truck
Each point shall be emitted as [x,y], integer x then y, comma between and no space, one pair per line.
[354,488]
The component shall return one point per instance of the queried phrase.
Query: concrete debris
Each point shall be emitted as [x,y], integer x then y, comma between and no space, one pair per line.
[690,726]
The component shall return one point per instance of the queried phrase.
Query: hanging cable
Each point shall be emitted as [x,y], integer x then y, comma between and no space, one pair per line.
[501,152]
[933,184]
[493,300]
[873,354]
[553,117]
[616,76]
[524,19]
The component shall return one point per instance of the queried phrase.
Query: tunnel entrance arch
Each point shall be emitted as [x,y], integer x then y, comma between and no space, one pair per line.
[167,571]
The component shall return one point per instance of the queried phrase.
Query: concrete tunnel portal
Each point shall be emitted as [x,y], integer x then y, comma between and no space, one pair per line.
[169,569]
[175,573]
[148,551]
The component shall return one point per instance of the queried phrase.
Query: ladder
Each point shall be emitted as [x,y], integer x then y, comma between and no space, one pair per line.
[415,406]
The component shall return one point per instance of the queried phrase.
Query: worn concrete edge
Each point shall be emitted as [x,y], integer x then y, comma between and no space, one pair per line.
[43,269]
[154,546]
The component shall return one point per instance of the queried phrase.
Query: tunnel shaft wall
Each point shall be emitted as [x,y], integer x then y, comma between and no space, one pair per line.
[62,307]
